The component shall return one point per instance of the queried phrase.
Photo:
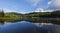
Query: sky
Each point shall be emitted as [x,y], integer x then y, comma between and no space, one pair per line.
[27,6]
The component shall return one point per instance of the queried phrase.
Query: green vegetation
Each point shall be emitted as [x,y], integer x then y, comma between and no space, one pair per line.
[33,17]
[54,14]
[11,17]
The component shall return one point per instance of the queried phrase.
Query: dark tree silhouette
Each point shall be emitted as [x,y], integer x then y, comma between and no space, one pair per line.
[1,15]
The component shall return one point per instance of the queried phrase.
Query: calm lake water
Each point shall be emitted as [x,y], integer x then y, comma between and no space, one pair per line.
[46,27]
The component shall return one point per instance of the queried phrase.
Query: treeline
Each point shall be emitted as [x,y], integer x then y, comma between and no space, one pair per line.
[33,17]
[54,14]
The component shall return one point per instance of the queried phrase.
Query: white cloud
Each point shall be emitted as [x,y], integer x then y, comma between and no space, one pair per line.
[34,2]
[8,10]
[54,4]
[49,2]
[40,10]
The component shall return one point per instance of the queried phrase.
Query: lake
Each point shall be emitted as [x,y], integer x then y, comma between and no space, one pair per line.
[43,27]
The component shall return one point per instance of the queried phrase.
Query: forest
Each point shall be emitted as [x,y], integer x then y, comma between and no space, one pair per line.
[34,16]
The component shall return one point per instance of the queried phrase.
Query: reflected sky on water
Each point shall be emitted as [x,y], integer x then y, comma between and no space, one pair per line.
[28,27]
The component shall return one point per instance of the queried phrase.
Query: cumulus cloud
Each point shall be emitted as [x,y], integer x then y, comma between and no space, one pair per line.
[34,2]
[40,10]
[49,2]
[54,4]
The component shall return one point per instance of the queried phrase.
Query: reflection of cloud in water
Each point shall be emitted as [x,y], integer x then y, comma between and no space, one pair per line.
[18,27]
[42,24]
[44,27]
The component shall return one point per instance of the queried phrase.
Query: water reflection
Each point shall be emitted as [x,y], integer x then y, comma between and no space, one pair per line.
[20,27]
[28,27]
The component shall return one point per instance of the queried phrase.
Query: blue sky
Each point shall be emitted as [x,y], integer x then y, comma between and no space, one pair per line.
[26,6]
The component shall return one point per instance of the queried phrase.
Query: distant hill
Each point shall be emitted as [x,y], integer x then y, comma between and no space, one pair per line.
[34,16]
[54,14]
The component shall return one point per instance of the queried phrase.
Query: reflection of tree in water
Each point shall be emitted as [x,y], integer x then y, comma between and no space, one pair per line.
[44,20]
[1,15]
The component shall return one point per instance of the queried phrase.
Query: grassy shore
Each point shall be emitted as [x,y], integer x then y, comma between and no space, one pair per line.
[7,19]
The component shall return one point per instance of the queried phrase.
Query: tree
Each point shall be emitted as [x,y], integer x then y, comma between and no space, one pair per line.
[1,15]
